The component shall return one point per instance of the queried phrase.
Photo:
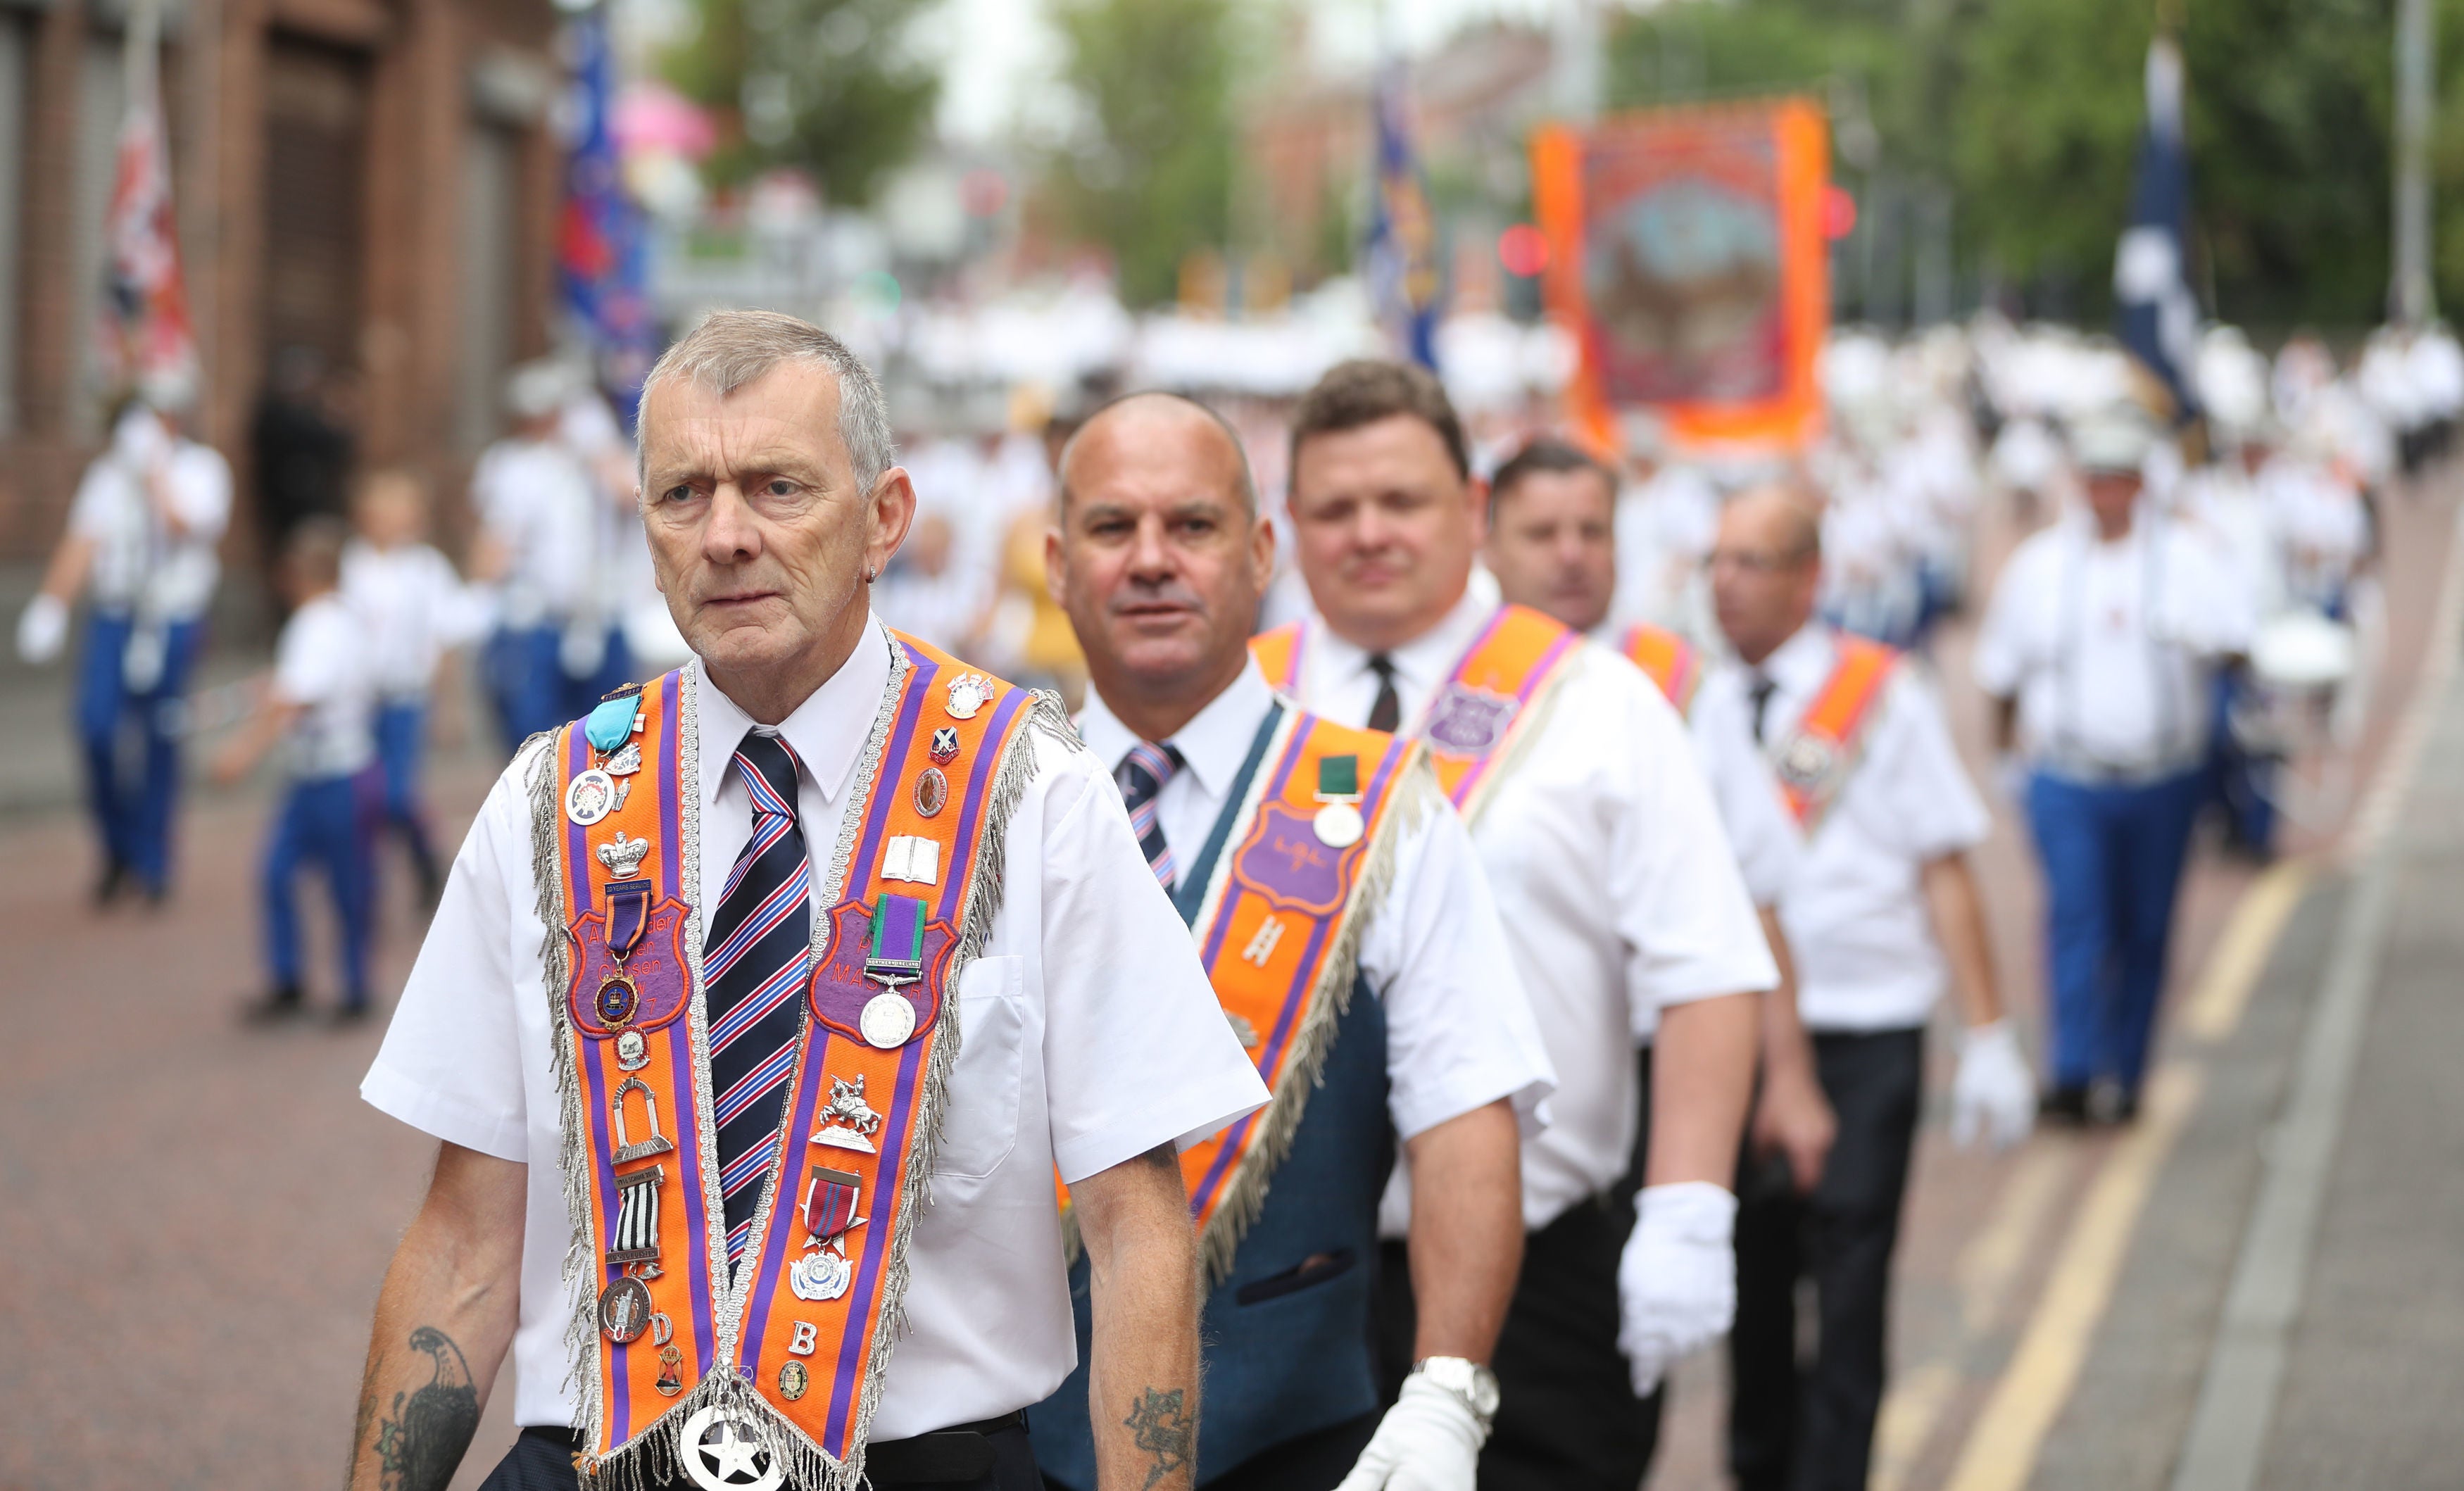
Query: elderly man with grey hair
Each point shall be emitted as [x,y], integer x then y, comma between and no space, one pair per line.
[762,1006]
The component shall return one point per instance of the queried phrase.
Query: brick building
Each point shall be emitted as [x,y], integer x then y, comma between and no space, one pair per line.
[372,179]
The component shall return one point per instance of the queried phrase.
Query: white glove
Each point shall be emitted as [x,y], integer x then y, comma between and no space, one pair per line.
[1677,1281]
[1994,1094]
[43,629]
[1428,1442]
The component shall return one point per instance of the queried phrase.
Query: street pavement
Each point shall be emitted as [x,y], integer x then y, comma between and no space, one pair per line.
[197,1213]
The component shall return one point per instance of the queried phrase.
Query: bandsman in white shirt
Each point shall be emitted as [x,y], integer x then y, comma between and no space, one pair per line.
[1881,913]
[1622,902]
[2099,650]
[716,1163]
[140,545]
[1352,941]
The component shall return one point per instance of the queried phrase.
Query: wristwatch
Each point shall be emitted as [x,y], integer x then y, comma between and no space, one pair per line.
[1466,1379]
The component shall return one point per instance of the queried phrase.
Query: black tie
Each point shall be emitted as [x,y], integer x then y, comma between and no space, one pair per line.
[753,961]
[1388,711]
[1761,688]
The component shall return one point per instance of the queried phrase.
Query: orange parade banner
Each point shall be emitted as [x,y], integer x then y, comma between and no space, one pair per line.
[1686,256]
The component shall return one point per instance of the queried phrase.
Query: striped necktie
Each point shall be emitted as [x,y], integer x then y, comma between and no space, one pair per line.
[754,962]
[1142,773]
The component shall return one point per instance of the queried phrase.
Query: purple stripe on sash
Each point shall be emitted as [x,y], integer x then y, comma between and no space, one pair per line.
[962,851]
[868,1279]
[603,1187]
[1532,682]
[669,788]
[1295,746]
[697,1254]
[809,1080]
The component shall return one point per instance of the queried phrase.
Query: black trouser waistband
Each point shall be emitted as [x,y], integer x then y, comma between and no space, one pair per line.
[963,1455]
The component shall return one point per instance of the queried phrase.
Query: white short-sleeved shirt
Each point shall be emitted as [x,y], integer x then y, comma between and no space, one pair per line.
[2108,646]
[1091,1036]
[138,564]
[1759,829]
[1851,902]
[1611,871]
[536,499]
[321,664]
[1460,1034]
[413,608]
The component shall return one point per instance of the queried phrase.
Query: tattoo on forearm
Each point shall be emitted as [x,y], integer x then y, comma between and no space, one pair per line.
[419,1444]
[1164,1431]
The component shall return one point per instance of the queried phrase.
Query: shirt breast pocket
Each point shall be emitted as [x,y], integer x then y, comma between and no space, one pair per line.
[980,1120]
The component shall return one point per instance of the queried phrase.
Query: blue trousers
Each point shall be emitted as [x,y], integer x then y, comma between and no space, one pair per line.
[325,822]
[2113,860]
[531,688]
[401,743]
[131,801]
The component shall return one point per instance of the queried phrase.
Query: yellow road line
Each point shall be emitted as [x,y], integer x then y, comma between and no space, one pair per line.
[2215,1007]
[2002,1447]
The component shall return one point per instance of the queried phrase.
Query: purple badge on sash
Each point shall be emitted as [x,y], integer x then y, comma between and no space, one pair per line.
[850,974]
[1285,860]
[655,967]
[1468,721]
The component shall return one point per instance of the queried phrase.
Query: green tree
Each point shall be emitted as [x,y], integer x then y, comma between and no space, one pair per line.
[1150,173]
[834,86]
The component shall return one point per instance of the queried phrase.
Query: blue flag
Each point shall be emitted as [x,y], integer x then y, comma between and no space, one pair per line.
[2155,314]
[1406,282]
[601,258]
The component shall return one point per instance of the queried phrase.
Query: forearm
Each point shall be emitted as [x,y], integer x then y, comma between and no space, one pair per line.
[1466,1235]
[1702,1078]
[1959,925]
[444,1321]
[65,576]
[1785,1048]
[1142,1374]
[2006,725]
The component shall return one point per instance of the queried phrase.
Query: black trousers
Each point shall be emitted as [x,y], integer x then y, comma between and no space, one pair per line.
[1809,1426]
[1315,1461]
[1567,1416]
[542,1459]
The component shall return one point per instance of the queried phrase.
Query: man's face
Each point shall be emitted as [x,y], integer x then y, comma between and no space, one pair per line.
[1552,546]
[1157,562]
[2110,496]
[1764,578]
[759,535]
[1385,528]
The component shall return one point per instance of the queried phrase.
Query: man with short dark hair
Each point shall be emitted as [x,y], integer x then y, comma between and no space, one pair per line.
[1621,899]
[688,1025]
[1351,941]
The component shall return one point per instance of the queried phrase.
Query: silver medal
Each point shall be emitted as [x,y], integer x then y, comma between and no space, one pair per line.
[632,1051]
[968,693]
[591,797]
[1338,825]
[888,1020]
[627,761]
[820,1275]
[724,1449]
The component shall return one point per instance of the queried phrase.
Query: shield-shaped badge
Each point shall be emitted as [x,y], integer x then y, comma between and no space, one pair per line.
[1468,721]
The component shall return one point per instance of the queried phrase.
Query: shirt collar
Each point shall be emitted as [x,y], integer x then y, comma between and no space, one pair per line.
[1428,659]
[1801,664]
[827,731]
[1212,745]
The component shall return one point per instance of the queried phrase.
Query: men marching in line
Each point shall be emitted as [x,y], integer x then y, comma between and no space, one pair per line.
[141,540]
[1348,931]
[2099,652]
[1622,906]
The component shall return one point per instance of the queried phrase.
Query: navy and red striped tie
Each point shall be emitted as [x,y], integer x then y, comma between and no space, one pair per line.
[1141,775]
[754,962]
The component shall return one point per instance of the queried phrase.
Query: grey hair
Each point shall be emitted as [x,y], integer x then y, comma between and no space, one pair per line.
[731,349]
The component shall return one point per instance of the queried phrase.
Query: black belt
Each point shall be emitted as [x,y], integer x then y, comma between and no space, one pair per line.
[955,1455]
